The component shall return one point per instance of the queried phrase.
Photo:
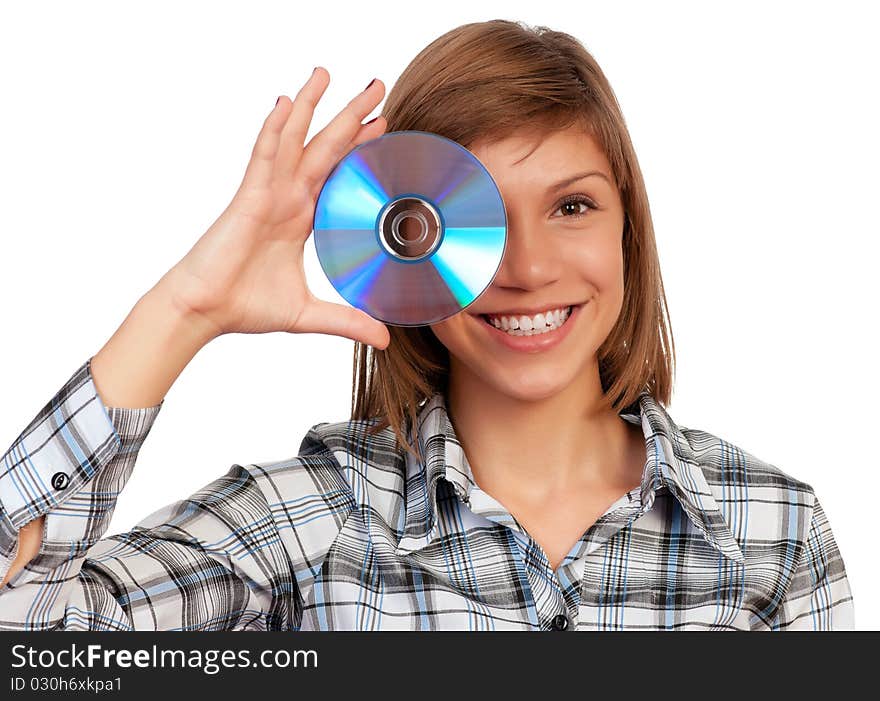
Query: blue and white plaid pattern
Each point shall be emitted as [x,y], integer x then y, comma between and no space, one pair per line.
[353,534]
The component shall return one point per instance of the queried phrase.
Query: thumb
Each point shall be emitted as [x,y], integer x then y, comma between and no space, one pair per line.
[334,319]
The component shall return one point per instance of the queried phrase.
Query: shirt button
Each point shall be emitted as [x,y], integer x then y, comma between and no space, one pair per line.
[559,622]
[60,480]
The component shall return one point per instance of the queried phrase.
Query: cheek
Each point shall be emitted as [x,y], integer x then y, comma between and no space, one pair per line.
[600,267]
[600,264]
[458,337]
[449,332]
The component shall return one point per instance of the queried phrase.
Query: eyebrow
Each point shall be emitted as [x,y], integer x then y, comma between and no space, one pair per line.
[574,178]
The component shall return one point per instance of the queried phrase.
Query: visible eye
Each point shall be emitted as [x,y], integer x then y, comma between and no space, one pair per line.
[570,206]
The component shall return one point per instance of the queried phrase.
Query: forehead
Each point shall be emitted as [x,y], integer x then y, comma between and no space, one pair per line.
[544,154]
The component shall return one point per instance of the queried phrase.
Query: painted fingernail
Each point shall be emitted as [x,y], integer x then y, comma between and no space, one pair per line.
[371,82]
[372,120]
[278,100]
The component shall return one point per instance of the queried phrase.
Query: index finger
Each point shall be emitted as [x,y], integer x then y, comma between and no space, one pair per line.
[331,143]
[293,135]
[274,142]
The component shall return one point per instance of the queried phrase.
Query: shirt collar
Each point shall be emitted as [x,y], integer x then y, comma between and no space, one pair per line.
[671,463]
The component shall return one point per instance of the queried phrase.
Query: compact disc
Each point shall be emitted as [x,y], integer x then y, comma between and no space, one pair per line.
[410,228]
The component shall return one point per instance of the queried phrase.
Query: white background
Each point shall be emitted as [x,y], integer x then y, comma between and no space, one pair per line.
[125,130]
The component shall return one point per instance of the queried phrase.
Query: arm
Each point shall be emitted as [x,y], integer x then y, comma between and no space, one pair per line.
[212,561]
[135,368]
[60,479]
[230,281]
[818,595]
[59,482]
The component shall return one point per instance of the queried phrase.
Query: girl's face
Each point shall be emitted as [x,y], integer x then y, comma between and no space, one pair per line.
[565,225]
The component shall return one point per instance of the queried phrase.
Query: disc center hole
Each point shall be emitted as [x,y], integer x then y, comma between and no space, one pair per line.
[410,227]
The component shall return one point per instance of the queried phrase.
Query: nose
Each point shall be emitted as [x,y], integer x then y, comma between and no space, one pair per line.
[530,260]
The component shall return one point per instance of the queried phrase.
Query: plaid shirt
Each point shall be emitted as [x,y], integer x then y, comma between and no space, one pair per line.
[353,534]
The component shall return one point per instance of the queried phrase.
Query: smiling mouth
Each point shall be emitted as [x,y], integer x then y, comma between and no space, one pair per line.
[547,328]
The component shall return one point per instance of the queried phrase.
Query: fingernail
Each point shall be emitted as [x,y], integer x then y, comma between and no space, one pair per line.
[278,100]
[372,120]
[371,82]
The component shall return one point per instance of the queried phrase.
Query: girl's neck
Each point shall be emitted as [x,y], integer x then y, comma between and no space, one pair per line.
[559,443]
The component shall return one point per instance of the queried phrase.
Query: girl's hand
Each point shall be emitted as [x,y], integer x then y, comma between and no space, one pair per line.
[246,274]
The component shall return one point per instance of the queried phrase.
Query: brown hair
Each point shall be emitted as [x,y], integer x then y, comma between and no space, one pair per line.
[483,81]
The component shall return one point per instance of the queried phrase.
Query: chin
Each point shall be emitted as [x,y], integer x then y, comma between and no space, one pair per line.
[530,390]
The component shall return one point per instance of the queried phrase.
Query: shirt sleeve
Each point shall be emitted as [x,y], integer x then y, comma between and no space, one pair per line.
[211,561]
[819,595]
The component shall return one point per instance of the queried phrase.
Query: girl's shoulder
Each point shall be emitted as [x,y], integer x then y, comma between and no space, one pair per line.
[725,464]
[727,486]
[337,464]
[759,502]
[728,464]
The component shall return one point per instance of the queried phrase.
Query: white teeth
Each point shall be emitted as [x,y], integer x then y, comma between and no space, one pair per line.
[529,326]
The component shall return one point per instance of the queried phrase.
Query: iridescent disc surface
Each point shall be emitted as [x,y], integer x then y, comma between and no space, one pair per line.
[410,228]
